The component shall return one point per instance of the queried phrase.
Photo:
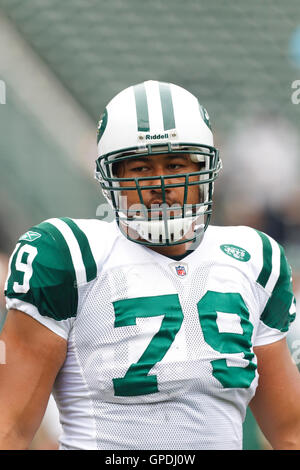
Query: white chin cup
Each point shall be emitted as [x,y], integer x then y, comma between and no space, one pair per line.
[155,231]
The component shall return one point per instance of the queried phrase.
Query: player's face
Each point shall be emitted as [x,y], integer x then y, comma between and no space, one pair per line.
[160,165]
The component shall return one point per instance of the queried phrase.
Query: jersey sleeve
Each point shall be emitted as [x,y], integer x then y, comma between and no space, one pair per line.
[279,310]
[41,279]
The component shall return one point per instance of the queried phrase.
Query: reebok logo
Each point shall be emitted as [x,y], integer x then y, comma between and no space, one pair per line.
[30,236]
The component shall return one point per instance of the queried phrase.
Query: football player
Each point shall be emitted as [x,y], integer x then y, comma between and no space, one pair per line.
[155,331]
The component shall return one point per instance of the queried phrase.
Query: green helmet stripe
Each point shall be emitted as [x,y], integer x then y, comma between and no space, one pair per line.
[267,260]
[167,106]
[141,105]
[86,252]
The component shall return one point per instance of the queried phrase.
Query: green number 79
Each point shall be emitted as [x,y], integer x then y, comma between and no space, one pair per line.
[138,381]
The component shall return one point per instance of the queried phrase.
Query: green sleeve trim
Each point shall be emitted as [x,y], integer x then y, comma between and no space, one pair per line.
[86,252]
[277,311]
[52,284]
[266,270]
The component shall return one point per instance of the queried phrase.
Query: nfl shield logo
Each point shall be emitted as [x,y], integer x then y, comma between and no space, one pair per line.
[181,271]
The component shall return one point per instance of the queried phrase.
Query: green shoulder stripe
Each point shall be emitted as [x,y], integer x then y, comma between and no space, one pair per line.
[86,252]
[277,310]
[267,260]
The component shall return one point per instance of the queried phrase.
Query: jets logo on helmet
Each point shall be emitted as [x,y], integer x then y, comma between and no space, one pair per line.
[157,118]
[102,125]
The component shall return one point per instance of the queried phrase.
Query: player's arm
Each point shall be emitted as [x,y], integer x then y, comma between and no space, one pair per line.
[41,296]
[276,404]
[34,355]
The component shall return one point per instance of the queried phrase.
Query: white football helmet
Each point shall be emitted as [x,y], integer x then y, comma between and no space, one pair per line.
[148,119]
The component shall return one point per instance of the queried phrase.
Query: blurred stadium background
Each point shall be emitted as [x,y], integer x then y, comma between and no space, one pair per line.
[61,62]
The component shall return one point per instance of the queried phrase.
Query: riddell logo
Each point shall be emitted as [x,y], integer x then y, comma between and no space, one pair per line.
[157,136]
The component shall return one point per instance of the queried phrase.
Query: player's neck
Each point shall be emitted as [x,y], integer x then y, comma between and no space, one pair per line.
[173,250]
[182,249]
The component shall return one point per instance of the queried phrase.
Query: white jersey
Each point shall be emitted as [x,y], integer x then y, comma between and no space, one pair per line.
[160,352]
